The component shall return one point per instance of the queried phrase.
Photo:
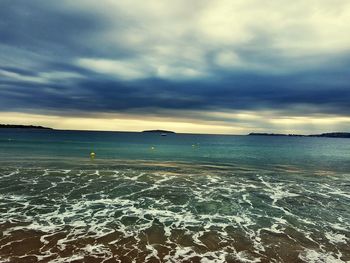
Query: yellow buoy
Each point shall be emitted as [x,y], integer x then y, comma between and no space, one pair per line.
[92,155]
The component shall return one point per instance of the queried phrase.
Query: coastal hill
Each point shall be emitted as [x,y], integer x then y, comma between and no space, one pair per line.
[13,126]
[333,135]
[158,131]
[326,135]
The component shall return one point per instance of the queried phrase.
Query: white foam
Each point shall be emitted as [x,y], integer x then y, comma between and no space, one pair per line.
[313,256]
[224,202]
[67,259]
[245,257]
[180,254]
[336,238]
[97,250]
[153,252]
[277,191]
[340,193]
[10,174]
[245,198]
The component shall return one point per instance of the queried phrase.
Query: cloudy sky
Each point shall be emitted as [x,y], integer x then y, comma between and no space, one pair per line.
[204,66]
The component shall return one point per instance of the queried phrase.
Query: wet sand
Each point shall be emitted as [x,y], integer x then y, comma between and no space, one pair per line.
[151,246]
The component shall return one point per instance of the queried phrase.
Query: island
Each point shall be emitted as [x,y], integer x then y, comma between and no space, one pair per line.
[14,126]
[326,135]
[158,131]
[274,134]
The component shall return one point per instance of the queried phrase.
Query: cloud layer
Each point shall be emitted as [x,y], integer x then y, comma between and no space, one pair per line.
[171,59]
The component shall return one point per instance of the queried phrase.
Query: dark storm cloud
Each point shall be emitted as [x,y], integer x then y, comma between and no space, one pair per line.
[248,91]
[58,56]
[45,28]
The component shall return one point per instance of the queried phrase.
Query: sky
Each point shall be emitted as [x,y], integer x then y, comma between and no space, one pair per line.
[200,66]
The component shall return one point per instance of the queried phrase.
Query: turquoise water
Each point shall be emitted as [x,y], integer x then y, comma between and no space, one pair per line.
[190,198]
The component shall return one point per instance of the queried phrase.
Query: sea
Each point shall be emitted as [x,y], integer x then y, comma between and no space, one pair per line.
[176,198]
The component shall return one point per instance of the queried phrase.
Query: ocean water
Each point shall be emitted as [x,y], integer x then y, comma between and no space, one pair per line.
[177,198]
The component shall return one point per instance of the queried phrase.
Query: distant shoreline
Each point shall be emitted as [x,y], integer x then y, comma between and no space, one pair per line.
[14,126]
[324,135]
[157,131]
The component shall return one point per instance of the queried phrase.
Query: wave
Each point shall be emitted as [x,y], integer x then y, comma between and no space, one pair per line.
[171,212]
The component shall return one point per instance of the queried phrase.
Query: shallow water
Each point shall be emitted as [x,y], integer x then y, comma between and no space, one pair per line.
[226,199]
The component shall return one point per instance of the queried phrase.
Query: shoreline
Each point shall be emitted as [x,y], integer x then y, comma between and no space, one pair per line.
[159,131]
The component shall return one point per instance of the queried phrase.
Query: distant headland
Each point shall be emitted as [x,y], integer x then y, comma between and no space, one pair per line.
[158,131]
[13,126]
[327,135]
